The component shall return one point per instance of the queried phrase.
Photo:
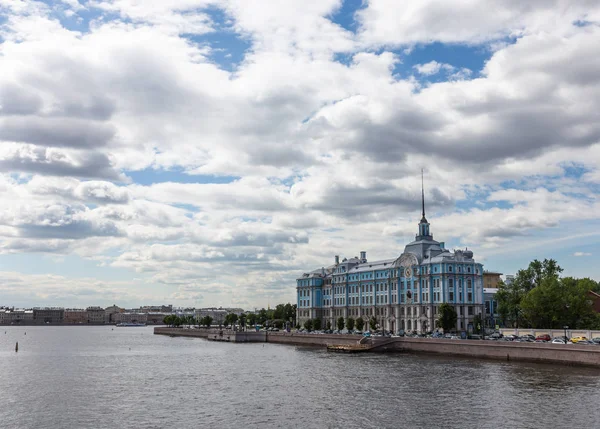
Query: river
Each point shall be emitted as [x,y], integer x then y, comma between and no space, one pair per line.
[97,377]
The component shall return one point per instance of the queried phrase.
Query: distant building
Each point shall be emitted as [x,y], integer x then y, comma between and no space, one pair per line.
[217,314]
[95,315]
[127,317]
[75,316]
[492,318]
[109,313]
[48,315]
[402,293]
[16,317]
[156,318]
[491,279]
[595,300]
[157,308]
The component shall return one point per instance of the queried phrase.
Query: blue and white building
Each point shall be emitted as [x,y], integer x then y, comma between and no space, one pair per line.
[402,293]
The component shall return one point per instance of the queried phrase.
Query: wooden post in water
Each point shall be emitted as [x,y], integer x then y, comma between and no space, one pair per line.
[17,347]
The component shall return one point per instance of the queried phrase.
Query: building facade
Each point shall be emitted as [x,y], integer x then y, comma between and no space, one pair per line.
[49,315]
[75,316]
[95,315]
[402,293]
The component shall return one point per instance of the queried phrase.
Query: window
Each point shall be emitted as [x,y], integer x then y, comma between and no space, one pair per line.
[469,297]
[451,296]
[450,268]
[470,311]
[468,269]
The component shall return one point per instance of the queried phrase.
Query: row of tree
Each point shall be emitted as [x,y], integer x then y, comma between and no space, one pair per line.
[539,298]
[278,317]
[175,321]
[350,324]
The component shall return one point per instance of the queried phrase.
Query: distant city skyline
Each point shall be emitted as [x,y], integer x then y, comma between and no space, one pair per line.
[205,153]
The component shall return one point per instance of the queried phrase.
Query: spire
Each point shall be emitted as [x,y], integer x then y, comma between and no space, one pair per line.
[423,219]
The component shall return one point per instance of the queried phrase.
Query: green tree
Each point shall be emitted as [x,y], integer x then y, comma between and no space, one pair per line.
[169,319]
[207,321]
[243,320]
[328,325]
[477,324]
[360,323]
[447,317]
[279,311]
[251,319]
[373,323]
[350,323]
[308,325]
[510,296]
[340,323]
[560,302]
[317,324]
[262,316]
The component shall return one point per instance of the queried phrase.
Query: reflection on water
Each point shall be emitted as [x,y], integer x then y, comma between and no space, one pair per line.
[88,377]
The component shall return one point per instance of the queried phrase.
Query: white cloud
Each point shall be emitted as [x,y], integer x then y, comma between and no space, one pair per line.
[432,67]
[582,254]
[325,156]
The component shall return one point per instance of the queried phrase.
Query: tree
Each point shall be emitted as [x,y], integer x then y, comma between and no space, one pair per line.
[447,317]
[340,323]
[262,316]
[328,325]
[560,302]
[350,324]
[373,323]
[308,325]
[207,321]
[317,324]
[251,319]
[477,323]
[243,320]
[360,323]
[510,296]
[169,320]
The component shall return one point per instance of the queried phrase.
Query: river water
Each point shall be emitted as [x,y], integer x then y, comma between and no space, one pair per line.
[100,377]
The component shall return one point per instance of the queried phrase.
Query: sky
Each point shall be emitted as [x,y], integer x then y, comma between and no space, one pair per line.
[207,153]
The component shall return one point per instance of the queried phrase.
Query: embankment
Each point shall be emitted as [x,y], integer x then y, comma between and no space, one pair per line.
[565,354]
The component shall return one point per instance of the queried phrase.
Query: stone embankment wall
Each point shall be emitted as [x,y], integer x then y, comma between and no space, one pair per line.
[552,332]
[182,332]
[311,339]
[570,354]
[215,334]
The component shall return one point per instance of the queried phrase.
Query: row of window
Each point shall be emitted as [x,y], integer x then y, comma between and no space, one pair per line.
[382,287]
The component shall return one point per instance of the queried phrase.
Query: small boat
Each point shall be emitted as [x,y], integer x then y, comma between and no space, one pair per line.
[129,325]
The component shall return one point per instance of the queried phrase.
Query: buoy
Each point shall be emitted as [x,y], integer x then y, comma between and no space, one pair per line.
[17,347]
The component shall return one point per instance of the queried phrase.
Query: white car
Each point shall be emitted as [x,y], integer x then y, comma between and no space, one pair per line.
[557,341]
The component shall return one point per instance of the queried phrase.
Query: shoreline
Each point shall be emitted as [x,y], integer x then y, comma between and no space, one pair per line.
[561,354]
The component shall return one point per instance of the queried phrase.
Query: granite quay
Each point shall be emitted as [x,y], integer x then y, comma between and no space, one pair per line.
[506,351]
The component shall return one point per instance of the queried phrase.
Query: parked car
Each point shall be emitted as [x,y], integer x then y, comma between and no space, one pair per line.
[596,340]
[544,337]
[575,340]
[558,341]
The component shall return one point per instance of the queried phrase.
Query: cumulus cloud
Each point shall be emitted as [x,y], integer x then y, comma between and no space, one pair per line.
[314,139]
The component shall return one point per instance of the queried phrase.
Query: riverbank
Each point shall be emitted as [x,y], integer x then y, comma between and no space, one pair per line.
[564,354]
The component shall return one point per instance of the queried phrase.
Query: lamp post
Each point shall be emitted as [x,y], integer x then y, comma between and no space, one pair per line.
[565,328]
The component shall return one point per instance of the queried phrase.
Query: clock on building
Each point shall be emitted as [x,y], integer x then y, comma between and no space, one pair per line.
[408,272]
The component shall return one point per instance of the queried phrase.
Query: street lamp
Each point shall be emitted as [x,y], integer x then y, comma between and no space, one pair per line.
[565,328]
